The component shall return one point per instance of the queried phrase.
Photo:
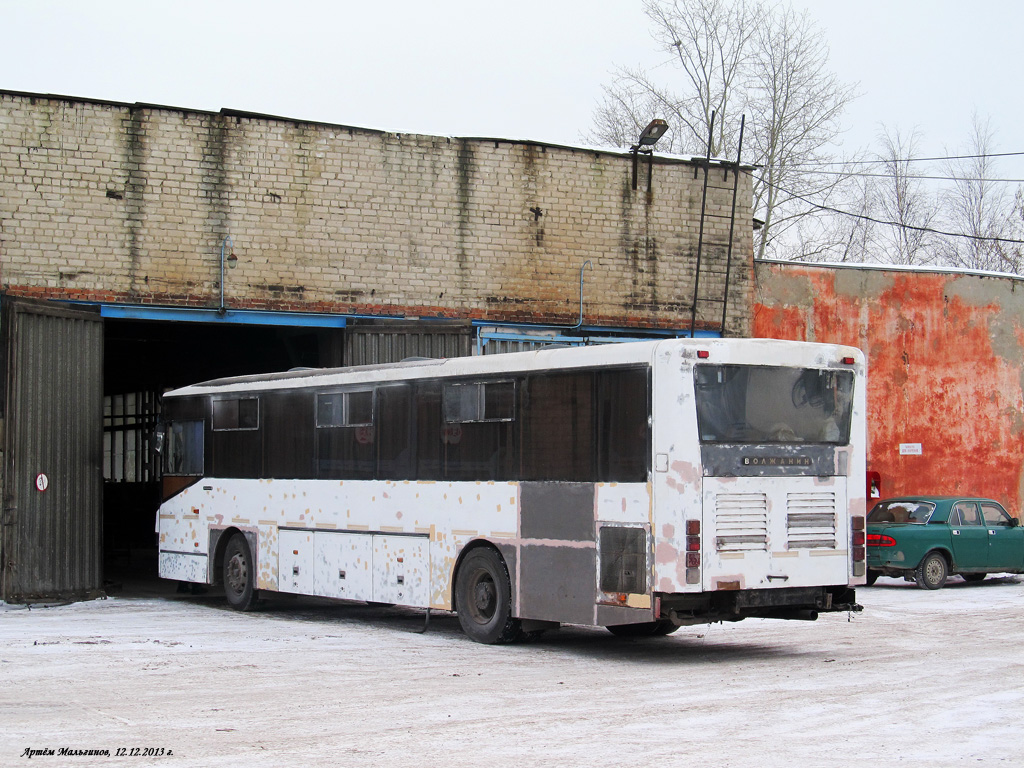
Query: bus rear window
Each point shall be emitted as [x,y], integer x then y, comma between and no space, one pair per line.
[764,405]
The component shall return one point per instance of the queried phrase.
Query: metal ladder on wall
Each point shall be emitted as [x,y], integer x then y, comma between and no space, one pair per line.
[724,298]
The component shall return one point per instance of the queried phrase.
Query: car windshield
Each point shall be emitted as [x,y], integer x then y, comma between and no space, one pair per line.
[916,512]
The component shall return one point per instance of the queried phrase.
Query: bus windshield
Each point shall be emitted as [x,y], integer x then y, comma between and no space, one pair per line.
[764,405]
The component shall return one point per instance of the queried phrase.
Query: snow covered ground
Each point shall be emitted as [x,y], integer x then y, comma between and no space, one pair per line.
[919,678]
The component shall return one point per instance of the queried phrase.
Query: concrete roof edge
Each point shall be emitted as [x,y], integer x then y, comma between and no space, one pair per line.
[891,268]
[666,159]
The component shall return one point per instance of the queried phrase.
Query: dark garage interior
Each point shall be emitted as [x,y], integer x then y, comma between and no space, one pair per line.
[143,359]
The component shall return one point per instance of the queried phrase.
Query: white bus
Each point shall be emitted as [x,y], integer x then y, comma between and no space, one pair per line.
[637,486]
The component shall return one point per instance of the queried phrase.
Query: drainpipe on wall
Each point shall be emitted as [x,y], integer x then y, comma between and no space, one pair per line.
[225,243]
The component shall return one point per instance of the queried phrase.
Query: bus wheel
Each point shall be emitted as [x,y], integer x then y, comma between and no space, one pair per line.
[932,572]
[239,587]
[872,576]
[646,629]
[483,598]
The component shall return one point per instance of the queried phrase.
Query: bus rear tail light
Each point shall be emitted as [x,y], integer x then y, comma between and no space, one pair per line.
[859,552]
[880,540]
[693,551]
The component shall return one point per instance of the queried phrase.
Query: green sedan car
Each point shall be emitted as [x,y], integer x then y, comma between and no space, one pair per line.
[927,538]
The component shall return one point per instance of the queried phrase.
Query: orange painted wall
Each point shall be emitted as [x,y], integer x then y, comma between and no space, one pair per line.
[945,367]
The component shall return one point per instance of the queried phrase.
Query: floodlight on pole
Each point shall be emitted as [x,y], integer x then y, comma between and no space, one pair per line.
[645,143]
[652,133]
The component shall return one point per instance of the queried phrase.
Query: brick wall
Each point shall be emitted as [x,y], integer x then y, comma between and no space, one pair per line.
[132,203]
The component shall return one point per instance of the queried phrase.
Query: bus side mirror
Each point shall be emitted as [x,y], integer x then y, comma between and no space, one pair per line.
[158,442]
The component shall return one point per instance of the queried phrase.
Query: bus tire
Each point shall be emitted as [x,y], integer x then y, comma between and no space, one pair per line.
[239,582]
[932,571]
[872,577]
[483,598]
[646,629]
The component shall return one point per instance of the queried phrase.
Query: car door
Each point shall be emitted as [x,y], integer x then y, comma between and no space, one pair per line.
[969,536]
[1005,540]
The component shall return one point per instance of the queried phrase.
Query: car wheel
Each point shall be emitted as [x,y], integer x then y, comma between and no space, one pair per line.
[239,582]
[932,572]
[483,598]
[646,629]
[873,576]
[974,576]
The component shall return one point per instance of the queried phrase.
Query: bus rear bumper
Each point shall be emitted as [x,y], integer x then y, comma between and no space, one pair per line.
[794,603]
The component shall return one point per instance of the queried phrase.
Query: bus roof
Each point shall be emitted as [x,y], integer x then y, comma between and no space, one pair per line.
[767,351]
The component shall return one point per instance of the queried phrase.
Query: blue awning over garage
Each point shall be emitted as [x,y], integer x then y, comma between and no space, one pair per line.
[229,316]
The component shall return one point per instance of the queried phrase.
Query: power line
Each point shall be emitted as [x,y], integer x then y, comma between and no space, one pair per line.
[916,178]
[930,230]
[912,159]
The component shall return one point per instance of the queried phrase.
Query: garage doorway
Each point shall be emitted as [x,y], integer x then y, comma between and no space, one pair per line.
[143,359]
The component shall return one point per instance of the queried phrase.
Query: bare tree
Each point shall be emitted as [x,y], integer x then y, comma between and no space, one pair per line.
[1016,260]
[980,206]
[845,228]
[798,105]
[708,43]
[712,46]
[732,57]
[903,202]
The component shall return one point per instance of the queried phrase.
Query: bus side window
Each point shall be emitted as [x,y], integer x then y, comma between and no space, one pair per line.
[183,451]
[479,435]
[430,430]
[236,440]
[236,413]
[624,428]
[558,427]
[345,440]
[395,431]
[289,434]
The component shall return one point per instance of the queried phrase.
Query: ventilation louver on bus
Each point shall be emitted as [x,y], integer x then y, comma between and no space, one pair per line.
[741,522]
[811,520]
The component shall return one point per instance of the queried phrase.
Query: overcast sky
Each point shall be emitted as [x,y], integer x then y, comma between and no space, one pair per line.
[520,69]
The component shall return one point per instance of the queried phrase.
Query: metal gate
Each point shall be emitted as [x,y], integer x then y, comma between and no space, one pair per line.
[51,521]
[393,342]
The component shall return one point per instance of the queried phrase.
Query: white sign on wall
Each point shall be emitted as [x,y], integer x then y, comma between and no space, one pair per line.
[910,449]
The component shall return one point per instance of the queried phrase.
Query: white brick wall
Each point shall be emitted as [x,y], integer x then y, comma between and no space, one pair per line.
[117,203]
